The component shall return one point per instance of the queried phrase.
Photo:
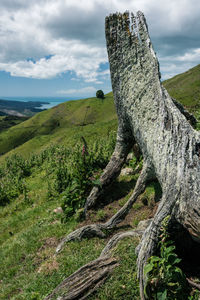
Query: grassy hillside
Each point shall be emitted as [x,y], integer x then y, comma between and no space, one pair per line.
[68,121]
[53,172]
[30,230]
[185,88]
[62,124]
[10,121]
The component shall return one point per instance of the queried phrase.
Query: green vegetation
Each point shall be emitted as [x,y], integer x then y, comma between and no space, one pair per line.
[9,121]
[123,283]
[100,94]
[46,164]
[185,88]
[61,125]
[165,279]
[30,229]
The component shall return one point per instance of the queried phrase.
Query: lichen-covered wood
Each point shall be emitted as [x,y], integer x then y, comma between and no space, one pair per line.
[168,142]
[160,126]
[88,278]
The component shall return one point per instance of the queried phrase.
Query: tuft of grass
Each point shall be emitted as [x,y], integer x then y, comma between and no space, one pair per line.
[101,215]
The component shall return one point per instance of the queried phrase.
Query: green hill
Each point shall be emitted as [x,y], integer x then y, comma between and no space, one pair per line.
[185,88]
[43,167]
[67,122]
[62,124]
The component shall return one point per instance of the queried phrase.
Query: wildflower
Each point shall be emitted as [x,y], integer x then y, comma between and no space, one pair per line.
[83,150]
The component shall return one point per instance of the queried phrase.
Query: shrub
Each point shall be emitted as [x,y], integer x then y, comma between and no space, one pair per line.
[165,279]
[100,94]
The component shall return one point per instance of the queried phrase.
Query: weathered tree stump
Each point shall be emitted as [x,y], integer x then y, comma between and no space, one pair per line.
[149,116]
[169,144]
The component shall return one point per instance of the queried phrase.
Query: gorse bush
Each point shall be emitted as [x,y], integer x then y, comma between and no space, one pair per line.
[165,279]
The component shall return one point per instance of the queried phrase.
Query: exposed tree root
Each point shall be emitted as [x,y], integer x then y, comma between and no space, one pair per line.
[85,231]
[112,170]
[98,229]
[117,237]
[193,284]
[84,281]
[88,278]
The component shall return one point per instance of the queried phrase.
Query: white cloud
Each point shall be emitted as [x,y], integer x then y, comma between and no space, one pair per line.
[72,32]
[176,64]
[83,60]
[194,55]
[81,91]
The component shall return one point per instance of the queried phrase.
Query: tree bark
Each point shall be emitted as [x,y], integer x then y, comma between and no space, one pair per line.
[122,148]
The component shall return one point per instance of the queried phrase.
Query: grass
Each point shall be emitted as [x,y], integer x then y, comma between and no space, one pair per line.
[30,230]
[185,88]
[29,236]
[10,121]
[60,125]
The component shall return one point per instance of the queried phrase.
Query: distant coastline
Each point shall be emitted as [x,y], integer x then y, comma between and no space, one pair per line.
[47,102]
[28,106]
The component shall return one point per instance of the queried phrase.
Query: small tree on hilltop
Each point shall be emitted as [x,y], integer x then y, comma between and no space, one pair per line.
[100,94]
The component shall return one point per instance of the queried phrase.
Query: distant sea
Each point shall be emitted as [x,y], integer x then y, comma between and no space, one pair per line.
[50,101]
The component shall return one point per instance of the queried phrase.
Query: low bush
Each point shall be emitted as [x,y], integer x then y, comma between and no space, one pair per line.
[165,280]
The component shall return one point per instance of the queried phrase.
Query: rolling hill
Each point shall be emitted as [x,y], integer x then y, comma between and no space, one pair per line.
[67,122]
[49,170]
[185,88]
[62,124]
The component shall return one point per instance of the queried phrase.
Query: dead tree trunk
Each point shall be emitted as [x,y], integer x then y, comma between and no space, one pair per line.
[149,116]
[167,140]
[170,146]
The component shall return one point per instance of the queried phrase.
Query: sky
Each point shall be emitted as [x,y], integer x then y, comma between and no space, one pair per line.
[57,47]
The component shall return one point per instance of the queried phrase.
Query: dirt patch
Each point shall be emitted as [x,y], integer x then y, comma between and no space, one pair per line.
[49,266]
[49,243]
[137,213]
[46,251]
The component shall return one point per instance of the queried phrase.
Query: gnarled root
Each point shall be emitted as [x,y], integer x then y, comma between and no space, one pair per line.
[85,281]
[88,278]
[112,170]
[98,229]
